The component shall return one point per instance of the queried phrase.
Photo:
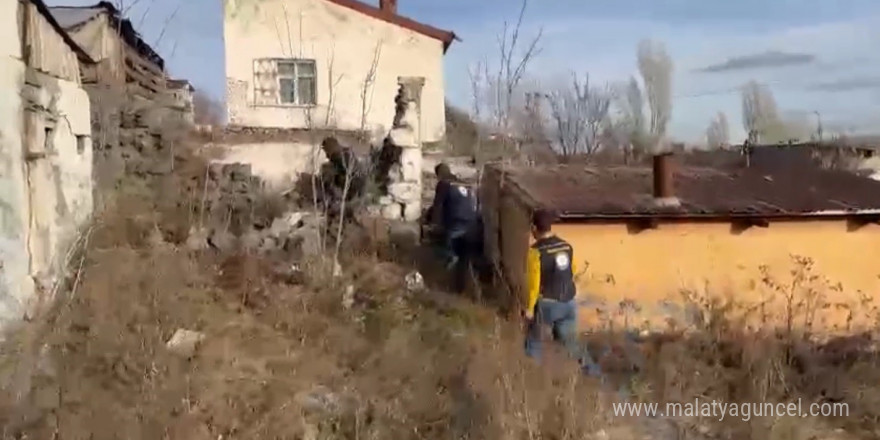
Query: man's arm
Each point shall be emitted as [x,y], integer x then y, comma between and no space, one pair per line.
[533,280]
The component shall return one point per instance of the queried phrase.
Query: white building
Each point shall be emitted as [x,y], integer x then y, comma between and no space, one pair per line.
[329,64]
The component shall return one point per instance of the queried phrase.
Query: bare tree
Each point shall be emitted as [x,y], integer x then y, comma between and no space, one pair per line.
[760,113]
[477,79]
[367,86]
[495,89]
[627,129]
[718,133]
[512,67]
[579,113]
[333,82]
[655,66]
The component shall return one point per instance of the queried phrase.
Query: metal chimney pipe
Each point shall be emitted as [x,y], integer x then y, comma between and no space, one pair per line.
[388,6]
[664,172]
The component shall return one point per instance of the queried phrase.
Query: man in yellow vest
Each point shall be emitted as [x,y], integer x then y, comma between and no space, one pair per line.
[550,274]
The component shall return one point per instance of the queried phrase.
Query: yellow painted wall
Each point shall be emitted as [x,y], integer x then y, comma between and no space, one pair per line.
[709,260]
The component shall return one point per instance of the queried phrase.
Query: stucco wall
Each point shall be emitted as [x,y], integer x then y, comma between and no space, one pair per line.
[656,269]
[331,35]
[45,187]
[278,164]
[10,42]
[15,282]
[60,180]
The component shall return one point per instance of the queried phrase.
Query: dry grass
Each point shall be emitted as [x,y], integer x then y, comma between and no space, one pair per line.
[312,358]
[279,361]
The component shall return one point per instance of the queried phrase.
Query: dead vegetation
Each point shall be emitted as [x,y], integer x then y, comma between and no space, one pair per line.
[306,354]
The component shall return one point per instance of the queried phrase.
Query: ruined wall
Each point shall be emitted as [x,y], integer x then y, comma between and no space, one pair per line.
[340,40]
[401,157]
[45,157]
[59,170]
[99,40]
[49,52]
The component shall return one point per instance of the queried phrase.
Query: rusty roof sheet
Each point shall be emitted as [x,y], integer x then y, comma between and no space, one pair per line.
[446,37]
[729,189]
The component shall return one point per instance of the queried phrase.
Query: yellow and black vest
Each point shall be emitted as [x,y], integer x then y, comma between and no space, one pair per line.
[557,277]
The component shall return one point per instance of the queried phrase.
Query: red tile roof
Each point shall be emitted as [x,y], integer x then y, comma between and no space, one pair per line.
[726,189]
[447,37]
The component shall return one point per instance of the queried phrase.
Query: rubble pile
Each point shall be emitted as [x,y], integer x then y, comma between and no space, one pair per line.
[237,210]
[402,198]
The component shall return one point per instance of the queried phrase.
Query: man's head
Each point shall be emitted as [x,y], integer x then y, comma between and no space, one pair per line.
[443,171]
[542,222]
[330,145]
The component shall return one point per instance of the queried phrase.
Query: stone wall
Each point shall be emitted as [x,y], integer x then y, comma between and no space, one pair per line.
[134,138]
[402,156]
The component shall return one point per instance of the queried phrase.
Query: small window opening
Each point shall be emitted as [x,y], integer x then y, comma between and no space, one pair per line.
[80,143]
[48,140]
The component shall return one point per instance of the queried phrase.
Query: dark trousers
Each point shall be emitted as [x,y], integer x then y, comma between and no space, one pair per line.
[456,248]
[562,319]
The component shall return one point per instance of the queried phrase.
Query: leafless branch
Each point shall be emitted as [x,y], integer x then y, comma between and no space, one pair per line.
[367,86]
[498,90]
[334,81]
[579,113]
[166,23]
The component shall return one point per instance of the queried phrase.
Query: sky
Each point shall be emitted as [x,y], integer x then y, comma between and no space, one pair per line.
[817,56]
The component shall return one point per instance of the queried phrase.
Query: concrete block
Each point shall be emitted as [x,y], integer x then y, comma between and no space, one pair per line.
[404,138]
[405,192]
[412,211]
[392,211]
[411,164]
[395,173]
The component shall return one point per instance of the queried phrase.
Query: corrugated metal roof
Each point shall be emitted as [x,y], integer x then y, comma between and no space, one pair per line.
[727,188]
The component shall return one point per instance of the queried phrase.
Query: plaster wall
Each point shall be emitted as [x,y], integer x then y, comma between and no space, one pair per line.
[344,44]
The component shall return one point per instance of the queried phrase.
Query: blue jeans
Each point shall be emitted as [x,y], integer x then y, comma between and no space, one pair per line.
[562,319]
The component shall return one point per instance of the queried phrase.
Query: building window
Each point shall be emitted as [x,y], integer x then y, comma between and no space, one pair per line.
[285,82]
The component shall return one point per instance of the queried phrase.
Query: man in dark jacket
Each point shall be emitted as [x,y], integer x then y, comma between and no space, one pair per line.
[454,213]
[343,166]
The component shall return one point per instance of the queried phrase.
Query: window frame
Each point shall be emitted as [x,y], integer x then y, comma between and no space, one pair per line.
[296,62]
